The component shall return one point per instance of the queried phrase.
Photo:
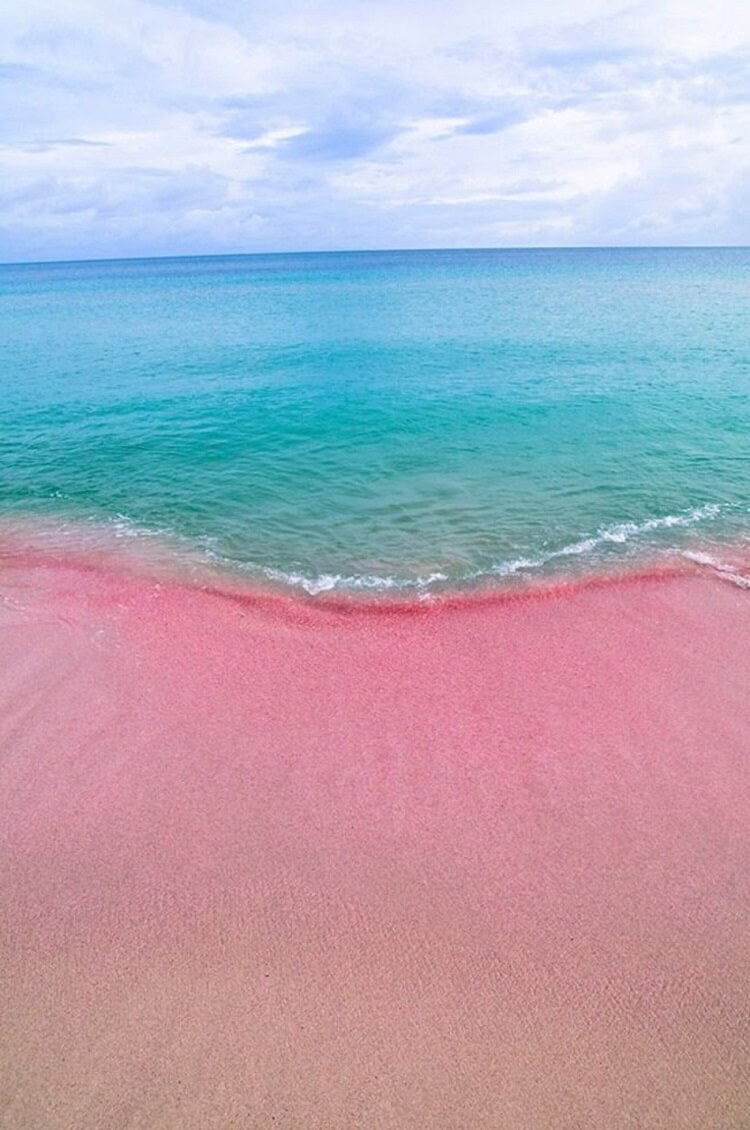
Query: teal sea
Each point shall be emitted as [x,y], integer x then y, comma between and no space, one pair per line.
[365,421]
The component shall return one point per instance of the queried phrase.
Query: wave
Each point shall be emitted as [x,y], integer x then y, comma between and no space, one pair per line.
[619,533]
[723,569]
[165,548]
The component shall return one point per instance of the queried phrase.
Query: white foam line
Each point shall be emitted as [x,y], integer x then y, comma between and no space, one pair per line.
[722,568]
[206,550]
[617,534]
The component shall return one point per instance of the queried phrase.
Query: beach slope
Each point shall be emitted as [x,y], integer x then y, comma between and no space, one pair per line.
[268,862]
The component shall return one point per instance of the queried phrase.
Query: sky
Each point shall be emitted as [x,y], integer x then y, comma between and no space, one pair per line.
[174,127]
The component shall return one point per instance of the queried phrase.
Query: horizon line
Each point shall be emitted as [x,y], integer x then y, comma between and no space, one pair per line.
[377,251]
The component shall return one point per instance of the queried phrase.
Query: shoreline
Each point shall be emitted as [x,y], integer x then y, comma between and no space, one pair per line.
[174,557]
[164,566]
[478,862]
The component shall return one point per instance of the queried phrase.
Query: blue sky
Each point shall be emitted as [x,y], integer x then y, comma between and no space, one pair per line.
[163,127]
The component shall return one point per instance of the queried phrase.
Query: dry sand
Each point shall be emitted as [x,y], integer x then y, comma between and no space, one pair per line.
[269,864]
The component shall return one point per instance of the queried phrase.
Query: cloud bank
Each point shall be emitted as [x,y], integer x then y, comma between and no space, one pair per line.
[200,126]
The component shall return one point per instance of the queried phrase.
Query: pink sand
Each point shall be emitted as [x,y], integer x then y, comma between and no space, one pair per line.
[265,863]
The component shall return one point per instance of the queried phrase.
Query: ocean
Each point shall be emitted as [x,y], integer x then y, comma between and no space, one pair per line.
[383,421]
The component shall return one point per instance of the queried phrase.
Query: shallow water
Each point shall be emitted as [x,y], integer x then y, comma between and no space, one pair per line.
[383,420]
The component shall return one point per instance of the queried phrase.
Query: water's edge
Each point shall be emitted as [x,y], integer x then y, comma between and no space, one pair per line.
[163,557]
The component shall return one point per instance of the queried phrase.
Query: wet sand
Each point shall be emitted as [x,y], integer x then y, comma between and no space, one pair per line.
[275,863]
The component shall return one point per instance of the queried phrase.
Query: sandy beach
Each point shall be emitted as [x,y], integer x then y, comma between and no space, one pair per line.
[269,862]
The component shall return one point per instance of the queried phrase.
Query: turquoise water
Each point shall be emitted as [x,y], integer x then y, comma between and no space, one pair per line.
[383,419]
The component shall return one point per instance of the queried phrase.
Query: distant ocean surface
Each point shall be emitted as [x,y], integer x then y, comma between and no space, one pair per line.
[407,421]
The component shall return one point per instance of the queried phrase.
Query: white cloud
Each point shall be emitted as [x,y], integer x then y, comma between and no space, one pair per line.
[199,126]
